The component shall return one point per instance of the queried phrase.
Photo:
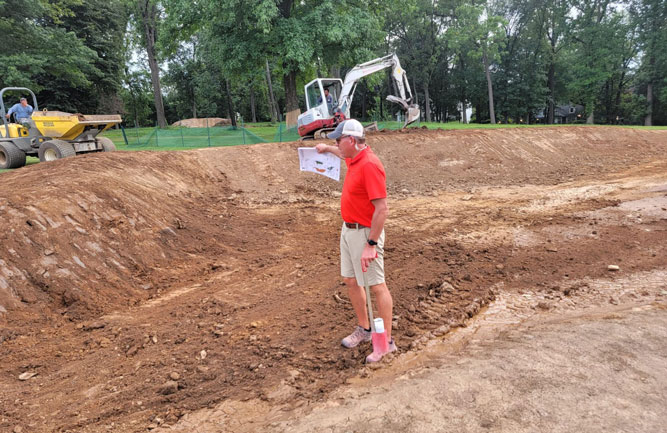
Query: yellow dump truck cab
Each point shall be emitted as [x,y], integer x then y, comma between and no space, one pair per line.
[51,135]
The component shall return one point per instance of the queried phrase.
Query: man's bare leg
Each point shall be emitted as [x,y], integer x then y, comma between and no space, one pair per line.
[357,296]
[385,305]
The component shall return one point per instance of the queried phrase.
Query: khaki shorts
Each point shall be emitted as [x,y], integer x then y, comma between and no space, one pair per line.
[352,242]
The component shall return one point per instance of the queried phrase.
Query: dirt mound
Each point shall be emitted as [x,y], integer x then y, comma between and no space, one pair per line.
[86,232]
[99,239]
[203,122]
[424,161]
[157,283]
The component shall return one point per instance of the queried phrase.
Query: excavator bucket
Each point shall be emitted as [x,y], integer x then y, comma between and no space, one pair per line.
[412,115]
[412,112]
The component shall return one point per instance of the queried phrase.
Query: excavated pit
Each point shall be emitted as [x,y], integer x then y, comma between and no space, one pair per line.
[142,286]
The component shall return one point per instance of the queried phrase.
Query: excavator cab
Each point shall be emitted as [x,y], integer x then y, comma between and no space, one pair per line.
[321,110]
[316,97]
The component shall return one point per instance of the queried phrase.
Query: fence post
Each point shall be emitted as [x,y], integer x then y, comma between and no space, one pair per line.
[124,136]
[157,142]
[136,130]
[243,129]
[182,141]
[208,131]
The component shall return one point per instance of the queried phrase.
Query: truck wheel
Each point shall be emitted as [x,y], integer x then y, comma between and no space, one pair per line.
[11,156]
[55,149]
[106,143]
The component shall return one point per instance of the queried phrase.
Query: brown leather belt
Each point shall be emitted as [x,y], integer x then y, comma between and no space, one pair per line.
[355,226]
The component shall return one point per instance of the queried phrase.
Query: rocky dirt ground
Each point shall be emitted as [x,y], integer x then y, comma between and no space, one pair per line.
[199,290]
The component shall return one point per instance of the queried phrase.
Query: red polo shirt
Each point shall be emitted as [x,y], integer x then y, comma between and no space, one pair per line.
[365,181]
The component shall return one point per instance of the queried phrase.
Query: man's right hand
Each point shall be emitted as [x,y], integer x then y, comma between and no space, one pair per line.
[322,148]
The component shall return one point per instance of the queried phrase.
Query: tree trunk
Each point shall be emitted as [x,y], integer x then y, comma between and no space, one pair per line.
[253,111]
[381,112]
[617,100]
[648,120]
[149,15]
[291,100]
[273,106]
[194,101]
[363,103]
[427,103]
[552,88]
[591,116]
[230,104]
[492,114]
[136,114]
[414,88]
[464,116]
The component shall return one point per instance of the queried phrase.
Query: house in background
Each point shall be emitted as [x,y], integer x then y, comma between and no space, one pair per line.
[563,114]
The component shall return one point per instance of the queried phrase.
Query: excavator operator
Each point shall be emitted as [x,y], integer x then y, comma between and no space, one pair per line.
[328,98]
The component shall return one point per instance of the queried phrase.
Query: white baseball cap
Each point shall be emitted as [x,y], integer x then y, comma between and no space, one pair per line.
[348,127]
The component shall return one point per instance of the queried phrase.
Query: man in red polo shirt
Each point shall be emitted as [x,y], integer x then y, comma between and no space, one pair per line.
[363,206]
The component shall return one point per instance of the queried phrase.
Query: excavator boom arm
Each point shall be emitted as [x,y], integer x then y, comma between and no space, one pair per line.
[404,97]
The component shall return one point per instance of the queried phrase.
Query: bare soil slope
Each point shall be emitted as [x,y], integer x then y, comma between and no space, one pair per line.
[139,287]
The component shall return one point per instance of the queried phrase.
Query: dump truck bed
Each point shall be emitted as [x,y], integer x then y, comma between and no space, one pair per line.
[68,126]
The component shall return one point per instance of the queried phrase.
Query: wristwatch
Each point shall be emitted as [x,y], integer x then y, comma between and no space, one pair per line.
[372,243]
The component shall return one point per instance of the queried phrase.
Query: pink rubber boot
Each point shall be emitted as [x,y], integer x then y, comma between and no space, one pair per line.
[380,343]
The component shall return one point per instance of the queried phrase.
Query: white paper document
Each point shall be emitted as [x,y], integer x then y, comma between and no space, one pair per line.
[326,164]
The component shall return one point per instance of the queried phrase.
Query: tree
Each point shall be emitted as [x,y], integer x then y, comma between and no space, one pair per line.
[137,96]
[100,25]
[183,77]
[39,52]
[521,84]
[415,29]
[292,34]
[554,16]
[479,33]
[598,34]
[147,21]
[651,15]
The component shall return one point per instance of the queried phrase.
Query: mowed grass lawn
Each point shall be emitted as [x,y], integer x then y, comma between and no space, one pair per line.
[269,132]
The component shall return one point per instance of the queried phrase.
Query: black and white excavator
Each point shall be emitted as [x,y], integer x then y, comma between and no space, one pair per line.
[324,111]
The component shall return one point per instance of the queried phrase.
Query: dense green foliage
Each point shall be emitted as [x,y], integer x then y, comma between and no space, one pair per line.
[514,61]
[69,52]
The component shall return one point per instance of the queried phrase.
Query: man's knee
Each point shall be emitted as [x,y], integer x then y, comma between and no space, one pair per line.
[380,289]
[350,282]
